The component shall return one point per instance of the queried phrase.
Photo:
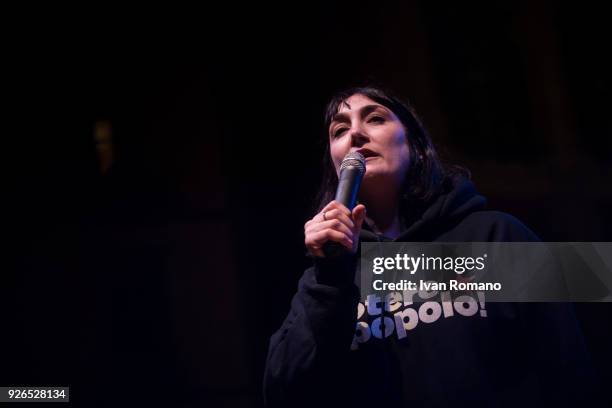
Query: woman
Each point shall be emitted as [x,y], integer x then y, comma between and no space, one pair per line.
[327,354]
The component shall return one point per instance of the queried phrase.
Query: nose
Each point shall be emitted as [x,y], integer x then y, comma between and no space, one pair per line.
[358,137]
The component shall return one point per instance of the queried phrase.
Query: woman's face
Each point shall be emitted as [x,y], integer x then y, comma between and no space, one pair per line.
[373,130]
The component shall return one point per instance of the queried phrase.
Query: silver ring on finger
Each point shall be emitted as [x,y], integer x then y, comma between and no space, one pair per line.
[324,217]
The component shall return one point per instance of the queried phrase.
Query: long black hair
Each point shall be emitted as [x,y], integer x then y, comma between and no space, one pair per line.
[426,172]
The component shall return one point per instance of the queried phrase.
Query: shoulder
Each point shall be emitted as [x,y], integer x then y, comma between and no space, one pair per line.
[489,226]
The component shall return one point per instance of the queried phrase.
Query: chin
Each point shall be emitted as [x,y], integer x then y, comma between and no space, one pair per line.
[378,177]
[377,173]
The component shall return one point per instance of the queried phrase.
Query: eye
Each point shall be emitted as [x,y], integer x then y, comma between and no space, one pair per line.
[338,132]
[376,119]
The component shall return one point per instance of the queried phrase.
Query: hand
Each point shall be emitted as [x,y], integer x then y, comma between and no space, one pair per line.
[334,223]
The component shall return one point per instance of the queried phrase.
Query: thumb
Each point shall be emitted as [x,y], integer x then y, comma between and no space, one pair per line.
[359,213]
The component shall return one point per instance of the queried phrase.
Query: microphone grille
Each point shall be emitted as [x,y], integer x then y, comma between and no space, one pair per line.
[354,159]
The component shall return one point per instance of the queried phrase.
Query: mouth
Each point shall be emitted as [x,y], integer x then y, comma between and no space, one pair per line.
[367,153]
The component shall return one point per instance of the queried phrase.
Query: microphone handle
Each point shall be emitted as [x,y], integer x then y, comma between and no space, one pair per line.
[348,188]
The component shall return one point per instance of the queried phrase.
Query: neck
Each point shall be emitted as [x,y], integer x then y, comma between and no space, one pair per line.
[393,230]
[383,215]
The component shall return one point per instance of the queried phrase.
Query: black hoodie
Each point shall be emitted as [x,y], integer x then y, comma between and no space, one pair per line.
[330,350]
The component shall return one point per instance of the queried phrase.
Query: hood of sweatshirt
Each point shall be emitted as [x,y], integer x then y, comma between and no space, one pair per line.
[457,199]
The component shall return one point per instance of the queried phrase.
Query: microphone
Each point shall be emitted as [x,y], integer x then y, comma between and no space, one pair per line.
[352,169]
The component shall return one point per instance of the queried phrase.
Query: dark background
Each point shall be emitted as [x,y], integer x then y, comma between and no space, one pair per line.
[157,275]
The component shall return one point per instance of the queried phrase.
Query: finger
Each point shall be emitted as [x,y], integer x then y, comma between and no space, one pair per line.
[331,224]
[358,217]
[339,215]
[319,238]
[359,214]
[337,205]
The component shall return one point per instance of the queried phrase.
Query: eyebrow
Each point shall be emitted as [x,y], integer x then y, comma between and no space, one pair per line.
[364,111]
